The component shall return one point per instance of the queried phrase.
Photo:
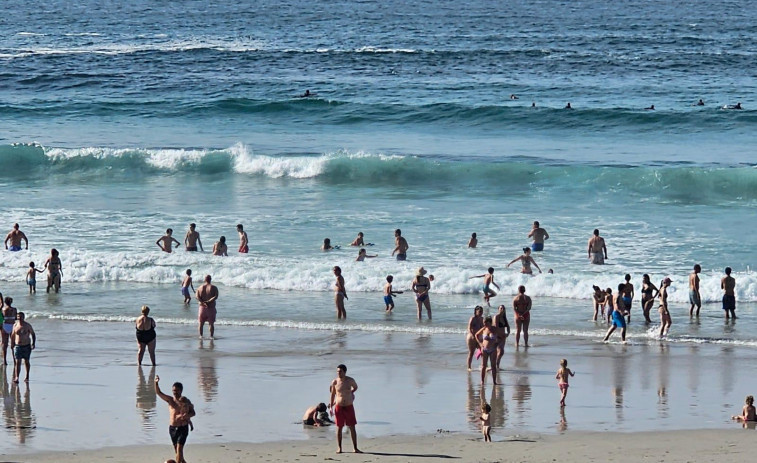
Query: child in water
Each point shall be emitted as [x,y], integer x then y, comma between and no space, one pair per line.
[185,285]
[748,412]
[486,427]
[362,255]
[562,379]
[388,293]
[31,278]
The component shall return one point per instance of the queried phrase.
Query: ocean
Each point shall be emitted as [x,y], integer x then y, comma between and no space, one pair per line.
[118,121]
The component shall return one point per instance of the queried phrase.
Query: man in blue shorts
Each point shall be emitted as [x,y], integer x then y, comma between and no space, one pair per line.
[15,237]
[539,235]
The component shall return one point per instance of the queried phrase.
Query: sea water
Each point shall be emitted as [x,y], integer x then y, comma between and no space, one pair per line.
[119,121]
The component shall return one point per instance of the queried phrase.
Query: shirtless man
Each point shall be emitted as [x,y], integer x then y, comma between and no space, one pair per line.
[243,248]
[192,239]
[15,236]
[694,297]
[164,242]
[596,247]
[728,284]
[539,235]
[23,342]
[180,412]
[207,294]
[343,390]
[401,245]
[522,309]
[340,294]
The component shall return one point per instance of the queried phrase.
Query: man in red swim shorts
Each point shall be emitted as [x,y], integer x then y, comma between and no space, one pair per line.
[342,396]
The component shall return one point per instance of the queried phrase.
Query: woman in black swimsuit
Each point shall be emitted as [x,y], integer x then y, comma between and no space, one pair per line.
[145,335]
[421,285]
[648,293]
[503,331]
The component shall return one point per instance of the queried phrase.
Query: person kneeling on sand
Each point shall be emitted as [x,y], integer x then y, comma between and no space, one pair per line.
[316,416]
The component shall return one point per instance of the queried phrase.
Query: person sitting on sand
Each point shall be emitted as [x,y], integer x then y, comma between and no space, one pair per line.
[526,260]
[748,412]
[362,255]
[312,415]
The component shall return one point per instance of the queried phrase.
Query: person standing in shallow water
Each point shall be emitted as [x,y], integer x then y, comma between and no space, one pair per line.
[539,235]
[475,323]
[597,249]
[54,268]
[695,298]
[15,237]
[207,295]
[166,241]
[648,294]
[421,286]
[340,294]
[145,336]
[522,312]
[728,285]
[618,319]
[192,239]
[400,245]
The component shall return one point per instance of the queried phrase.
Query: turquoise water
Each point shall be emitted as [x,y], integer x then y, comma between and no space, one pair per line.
[119,121]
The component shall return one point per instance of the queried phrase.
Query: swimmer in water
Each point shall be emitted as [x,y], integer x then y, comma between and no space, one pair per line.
[526,261]
[307,94]
[362,255]
[473,241]
[700,102]
[651,108]
[513,96]
[568,106]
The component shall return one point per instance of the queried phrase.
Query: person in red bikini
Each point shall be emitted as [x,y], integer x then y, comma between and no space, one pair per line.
[342,397]
[522,309]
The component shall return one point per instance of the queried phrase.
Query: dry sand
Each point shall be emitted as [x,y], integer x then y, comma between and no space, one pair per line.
[722,446]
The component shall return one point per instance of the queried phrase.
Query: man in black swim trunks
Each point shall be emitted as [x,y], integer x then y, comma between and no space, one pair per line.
[401,245]
[180,411]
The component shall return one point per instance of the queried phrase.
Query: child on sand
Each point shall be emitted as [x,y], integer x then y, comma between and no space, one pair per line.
[486,427]
[748,412]
[185,285]
[31,277]
[562,379]
[388,293]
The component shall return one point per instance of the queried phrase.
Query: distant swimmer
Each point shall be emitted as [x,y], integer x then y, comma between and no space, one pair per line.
[340,294]
[650,108]
[728,285]
[695,298]
[700,102]
[539,236]
[400,245]
[192,239]
[597,249]
[243,244]
[525,260]
[488,283]
[165,241]
[473,241]
[533,104]
[733,106]
[513,96]
[358,241]
[568,106]
[220,248]
[362,255]
[326,246]
[15,237]
[307,94]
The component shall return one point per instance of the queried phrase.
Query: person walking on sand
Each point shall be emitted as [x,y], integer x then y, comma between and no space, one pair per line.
[525,261]
[10,315]
[180,413]
[54,268]
[23,342]
[421,286]
[539,236]
[165,241]
[648,294]
[488,283]
[562,377]
[522,315]
[475,324]
[340,294]
[243,245]
[665,319]
[618,316]
[503,332]
[486,425]
[192,239]
[695,298]
[597,249]
[207,295]
[728,285]
[400,245]
[15,237]
[145,336]
[487,342]
[343,390]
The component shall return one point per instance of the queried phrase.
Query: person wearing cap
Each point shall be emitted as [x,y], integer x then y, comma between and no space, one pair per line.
[728,284]
[695,298]
[665,320]
[421,286]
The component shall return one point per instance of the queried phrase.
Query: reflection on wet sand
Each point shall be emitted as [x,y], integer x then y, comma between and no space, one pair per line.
[562,425]
[619,377]
[421,373]
[522,386]
[17,409]
[477,395]
[207,373]
[662,391]
[146,397]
